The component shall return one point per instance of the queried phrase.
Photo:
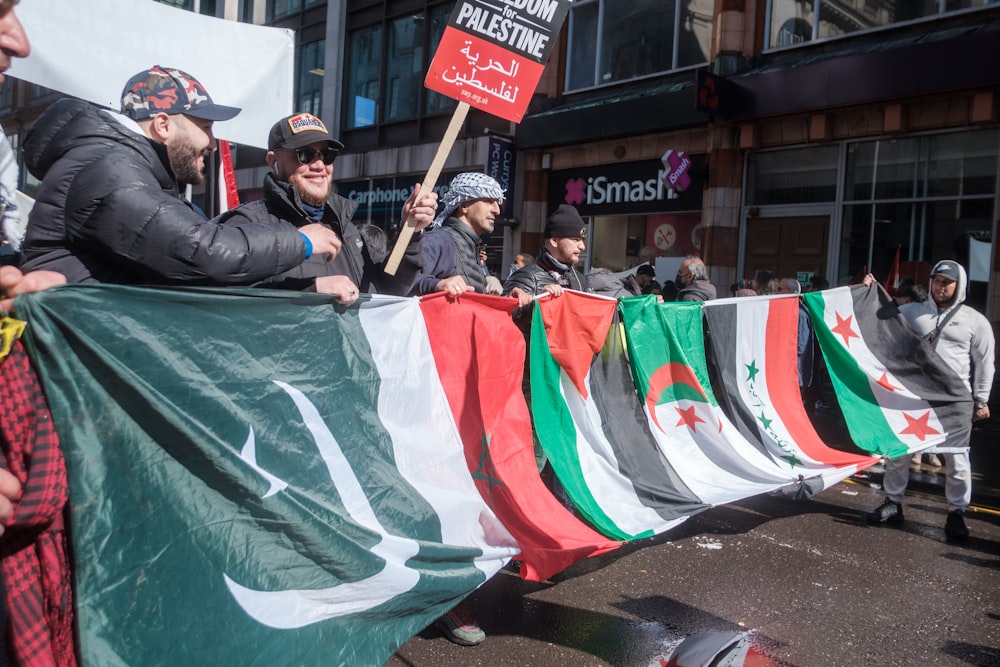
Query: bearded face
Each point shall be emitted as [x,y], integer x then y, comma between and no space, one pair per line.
[188,149]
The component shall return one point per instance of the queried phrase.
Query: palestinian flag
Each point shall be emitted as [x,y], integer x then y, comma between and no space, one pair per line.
[897,395]
[257,477]
[591,424]
[754,349]
[479,353]
[667,353]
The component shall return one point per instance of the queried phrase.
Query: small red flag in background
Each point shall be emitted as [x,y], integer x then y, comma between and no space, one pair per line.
[229,196]
[891,283]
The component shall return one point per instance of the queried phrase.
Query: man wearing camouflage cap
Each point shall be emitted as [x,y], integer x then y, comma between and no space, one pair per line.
[109,208]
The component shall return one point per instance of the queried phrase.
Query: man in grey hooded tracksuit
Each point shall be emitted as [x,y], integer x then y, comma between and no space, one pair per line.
[964,339]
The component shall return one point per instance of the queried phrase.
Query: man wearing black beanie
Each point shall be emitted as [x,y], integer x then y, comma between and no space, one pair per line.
[553,270]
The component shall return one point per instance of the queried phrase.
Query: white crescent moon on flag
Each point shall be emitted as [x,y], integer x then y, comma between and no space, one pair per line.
[249,454]
[296,608]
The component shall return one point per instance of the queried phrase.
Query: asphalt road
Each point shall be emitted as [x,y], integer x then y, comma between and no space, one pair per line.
[810,583]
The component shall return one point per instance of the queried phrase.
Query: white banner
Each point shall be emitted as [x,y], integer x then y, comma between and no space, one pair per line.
[90,49]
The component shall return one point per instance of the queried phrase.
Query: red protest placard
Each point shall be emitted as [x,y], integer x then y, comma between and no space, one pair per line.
[491,57]
[492,53]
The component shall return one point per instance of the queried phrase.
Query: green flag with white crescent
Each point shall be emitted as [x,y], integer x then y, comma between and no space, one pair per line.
[256,477]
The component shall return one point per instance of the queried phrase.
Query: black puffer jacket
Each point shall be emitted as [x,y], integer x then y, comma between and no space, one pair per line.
[108,210]
[531,278]
[355,259]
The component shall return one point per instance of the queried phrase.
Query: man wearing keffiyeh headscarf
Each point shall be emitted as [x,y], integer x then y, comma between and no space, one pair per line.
[450,249]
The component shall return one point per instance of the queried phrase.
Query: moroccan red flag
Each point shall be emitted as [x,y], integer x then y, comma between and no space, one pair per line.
[482,378]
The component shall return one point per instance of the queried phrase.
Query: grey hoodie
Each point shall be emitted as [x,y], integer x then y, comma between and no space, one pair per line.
[966,341]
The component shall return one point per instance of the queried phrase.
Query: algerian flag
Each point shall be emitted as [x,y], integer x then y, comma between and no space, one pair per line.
[666,350]
[591,425]
[897,395]
[754,347]
[257,477]
[479,353]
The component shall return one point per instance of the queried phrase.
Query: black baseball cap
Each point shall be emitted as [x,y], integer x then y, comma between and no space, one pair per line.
[298,130]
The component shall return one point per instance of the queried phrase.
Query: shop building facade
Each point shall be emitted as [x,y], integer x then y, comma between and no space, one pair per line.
[832,135]
[822,135]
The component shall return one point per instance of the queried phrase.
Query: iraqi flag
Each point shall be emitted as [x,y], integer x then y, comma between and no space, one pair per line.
[754,348]
[897,395]
[479,354]
[257,477]
[591,424]
[667,353]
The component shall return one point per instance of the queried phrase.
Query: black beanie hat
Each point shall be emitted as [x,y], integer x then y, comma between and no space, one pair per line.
[565,222]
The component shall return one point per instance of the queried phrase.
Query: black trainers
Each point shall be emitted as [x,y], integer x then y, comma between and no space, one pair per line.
[887,512]
[955,527]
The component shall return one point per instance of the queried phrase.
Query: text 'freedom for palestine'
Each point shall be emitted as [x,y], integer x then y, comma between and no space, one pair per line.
[504,29]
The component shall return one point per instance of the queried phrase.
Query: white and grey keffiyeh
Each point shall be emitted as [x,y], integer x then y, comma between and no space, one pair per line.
[468,186]
[13,226]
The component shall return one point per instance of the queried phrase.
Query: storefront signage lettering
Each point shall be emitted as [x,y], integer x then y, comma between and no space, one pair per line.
[379,200]
[677,165]
[600,190]
[634,187]
[500,165]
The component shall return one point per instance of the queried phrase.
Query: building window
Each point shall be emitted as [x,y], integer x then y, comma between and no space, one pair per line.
[437,19]
[281,8]
[245,11]
[932,197]
[386,64]
[926,197]
[793,22]
[364,53]
[310,79]
[180,4]
[404,71]
[797,176]
[7,95]
[610,42]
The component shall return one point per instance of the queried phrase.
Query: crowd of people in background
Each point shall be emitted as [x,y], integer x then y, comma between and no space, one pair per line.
[132,167]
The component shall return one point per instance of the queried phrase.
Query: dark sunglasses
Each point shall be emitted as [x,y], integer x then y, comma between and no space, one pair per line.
[308,154]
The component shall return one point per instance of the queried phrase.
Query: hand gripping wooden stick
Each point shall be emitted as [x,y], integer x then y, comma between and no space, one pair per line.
[428,184]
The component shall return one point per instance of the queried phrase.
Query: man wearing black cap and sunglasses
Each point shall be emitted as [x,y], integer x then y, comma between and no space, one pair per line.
[299,190]
[109,208]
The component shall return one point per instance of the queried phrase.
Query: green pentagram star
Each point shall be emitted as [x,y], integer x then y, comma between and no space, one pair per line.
[752,370]
[792,460]
[485,470]
[765,422]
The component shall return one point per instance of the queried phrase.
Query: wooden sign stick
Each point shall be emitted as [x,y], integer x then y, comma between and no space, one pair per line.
[427,186]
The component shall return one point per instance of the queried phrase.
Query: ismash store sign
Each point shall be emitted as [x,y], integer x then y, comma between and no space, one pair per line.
[492,53]
[634,187]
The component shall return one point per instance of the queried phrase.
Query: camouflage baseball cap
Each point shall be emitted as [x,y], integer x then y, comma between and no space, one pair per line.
[170,91]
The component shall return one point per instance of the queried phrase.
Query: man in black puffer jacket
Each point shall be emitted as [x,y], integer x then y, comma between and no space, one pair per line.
[554,269]
[109,208]
[298,191]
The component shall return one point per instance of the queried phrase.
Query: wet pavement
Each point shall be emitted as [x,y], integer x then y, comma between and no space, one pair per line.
[810,583]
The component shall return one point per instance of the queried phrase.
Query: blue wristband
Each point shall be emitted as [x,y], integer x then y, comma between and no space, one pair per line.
[309,245]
